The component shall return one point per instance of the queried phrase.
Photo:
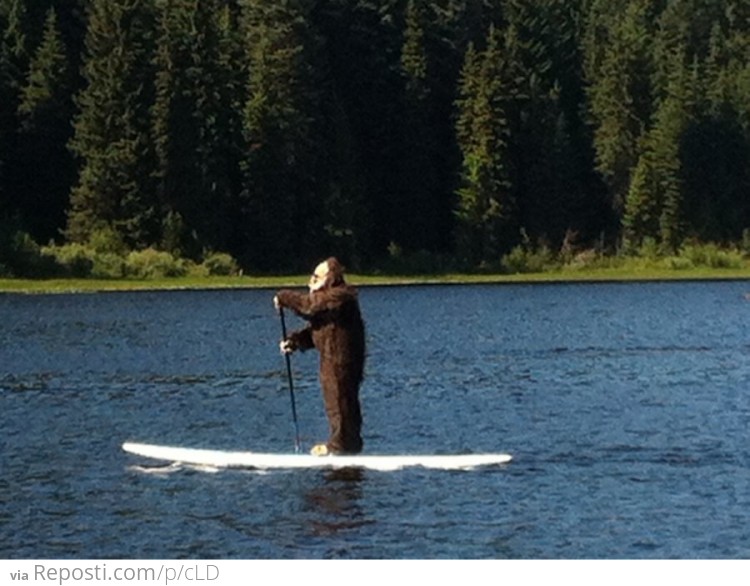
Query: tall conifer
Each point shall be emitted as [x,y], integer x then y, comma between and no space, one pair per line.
[280,184]
[112,137]
[487,209]
[194,129]
[13,65]
[418,218]
[619,72]
[45,111]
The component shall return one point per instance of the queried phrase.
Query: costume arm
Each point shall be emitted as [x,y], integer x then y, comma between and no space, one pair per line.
[310,306]
[301,339]
[294,300]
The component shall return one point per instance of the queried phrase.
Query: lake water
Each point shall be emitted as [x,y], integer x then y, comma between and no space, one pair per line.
[626,408]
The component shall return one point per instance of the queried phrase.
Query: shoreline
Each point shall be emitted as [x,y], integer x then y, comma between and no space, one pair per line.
[72,286]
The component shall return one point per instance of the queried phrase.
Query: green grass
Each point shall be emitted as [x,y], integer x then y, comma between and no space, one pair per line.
[168,283]
[619,274]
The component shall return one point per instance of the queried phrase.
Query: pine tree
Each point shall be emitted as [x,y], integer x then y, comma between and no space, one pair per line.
[193,125]
[176,125]
[363,49]
[112,129]
[737,15]
[539,123]
[14,14]
[13,50]
[13,65]
[487,212]
[48,72]
[716,146]
[413,57]
[559,168]
[655,205]
[224,131]
[282,197]
[618,70]
[45,111]
[671,120]
[417,221]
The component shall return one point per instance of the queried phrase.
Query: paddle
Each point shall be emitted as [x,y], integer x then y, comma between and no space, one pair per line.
[291,383]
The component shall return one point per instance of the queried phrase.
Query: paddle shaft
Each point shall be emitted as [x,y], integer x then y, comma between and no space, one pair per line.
[291,383]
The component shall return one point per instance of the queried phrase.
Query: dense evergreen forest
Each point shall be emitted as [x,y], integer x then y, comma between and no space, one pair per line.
[282,131]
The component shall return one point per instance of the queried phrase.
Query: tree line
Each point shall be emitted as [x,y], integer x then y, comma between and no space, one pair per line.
[283,131]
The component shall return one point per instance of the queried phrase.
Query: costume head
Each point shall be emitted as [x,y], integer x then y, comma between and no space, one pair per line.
[329,273]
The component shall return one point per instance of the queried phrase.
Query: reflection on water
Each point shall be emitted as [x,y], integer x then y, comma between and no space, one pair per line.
[335,505]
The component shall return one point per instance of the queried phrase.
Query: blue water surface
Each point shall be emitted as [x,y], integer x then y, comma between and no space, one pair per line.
[625,407]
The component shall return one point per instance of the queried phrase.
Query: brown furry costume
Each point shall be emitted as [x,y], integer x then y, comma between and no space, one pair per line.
[337,331]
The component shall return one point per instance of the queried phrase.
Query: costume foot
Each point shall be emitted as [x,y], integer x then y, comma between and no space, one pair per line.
[319,450]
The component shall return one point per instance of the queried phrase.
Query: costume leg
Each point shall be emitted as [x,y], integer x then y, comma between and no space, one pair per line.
[341,397]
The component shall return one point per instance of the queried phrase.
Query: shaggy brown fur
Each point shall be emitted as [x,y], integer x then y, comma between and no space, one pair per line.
[337,331]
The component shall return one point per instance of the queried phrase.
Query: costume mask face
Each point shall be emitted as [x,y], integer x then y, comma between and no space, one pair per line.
[319,278]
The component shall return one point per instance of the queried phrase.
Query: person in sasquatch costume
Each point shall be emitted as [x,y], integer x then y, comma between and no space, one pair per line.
[337,331]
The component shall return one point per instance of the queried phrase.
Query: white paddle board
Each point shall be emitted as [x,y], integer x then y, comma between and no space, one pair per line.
[228,459]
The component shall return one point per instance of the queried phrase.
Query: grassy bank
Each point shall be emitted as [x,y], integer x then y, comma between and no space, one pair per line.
[105,264]
[623,274]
